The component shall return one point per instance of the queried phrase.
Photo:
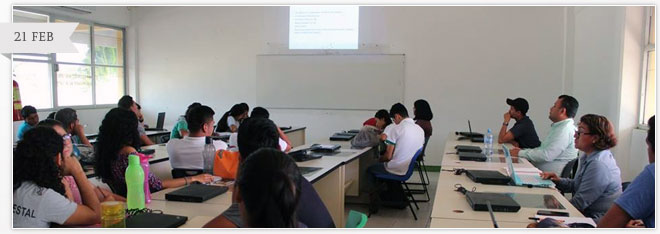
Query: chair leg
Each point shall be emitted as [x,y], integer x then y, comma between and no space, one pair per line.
[408,200]
[410,194]
[426,172]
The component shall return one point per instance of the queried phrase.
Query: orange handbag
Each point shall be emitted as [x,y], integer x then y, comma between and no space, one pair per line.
[225,164]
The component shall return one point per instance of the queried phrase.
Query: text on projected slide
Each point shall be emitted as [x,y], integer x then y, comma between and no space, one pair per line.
[323,27]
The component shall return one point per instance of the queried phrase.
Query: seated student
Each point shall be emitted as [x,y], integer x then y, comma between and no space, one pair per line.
[70,122]
[29,114]
[257,133]
[403,140]
[597,182]
[39,199]
[423,116]
[186,153]
[118,138]
[380,120]
[230,121]
[180,129]
[51,115]
[126,102]
[268,190]
[72,190]
[638,201]
[260,112]
[522,134]
[558,148]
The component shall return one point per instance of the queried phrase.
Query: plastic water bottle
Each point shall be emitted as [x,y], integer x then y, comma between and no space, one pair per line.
[134,183]
[209,155]
[144,163]
[488,143]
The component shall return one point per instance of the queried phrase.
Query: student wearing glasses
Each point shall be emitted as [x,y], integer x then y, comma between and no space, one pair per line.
[597,182]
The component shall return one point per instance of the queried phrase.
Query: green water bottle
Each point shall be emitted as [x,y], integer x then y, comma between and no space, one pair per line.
[134,183]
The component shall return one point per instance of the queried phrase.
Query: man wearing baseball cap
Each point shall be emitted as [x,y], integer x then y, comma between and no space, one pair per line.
[522,134]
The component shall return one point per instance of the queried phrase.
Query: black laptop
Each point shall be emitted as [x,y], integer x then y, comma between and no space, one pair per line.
[472,156]
[468,148]
[339,137]
[488,177]
[473,136]
[159,123]
[195,193]
[304,155]
[324,148]
[499,201]
[154,220]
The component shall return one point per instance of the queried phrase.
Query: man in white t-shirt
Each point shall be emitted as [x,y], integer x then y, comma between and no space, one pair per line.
[403,140]
[186,153]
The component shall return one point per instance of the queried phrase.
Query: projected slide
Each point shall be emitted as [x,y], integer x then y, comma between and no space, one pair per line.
[323,27]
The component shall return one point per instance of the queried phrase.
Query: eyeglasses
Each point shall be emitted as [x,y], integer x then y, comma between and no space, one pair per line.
[582,133]
[66,137]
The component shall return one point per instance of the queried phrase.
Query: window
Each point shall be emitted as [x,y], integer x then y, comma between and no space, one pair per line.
[93,76]
[648,88]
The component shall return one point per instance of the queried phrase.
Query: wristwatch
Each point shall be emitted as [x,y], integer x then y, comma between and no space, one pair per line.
[505,124]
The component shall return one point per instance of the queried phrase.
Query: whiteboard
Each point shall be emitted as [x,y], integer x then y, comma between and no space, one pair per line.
[344,82]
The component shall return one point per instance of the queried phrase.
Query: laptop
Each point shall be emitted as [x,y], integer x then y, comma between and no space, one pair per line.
[500,202]
[488,177]
[470,134]
[472,156]
[159,123]
[338,137]
[303,155]
[195,193]
[468,148]
[534,180]
[155,220]
[324,148]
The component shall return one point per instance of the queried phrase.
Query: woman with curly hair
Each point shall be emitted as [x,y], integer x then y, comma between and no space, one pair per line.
[118,138]
[41,159]
[597,182]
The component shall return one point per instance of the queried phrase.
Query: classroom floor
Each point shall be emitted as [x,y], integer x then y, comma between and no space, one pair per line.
[401,218]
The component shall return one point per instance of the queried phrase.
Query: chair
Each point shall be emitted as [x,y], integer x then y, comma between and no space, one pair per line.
[180,173]
[569,169]
[421,168]
[356,219]
[403,178]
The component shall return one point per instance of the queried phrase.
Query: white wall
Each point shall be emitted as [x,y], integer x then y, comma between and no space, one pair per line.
[208,54]
[464,60]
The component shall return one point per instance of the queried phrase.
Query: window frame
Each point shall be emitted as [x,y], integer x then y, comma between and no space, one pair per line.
[52,60]
[649,46]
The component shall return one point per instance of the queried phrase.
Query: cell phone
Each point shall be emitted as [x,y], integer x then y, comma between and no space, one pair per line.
[552,213]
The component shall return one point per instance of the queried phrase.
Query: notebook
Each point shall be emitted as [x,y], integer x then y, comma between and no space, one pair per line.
[472,156]
[338,137]
[500,202]
[195,193]
[324,148]
[468,148]
[159,123]
[488,177]
[534,179]
[154,220]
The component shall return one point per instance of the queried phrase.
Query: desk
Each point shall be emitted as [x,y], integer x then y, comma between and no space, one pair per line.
[339,176]
[153,136]
[461,223]
[296,135]
[451,209]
